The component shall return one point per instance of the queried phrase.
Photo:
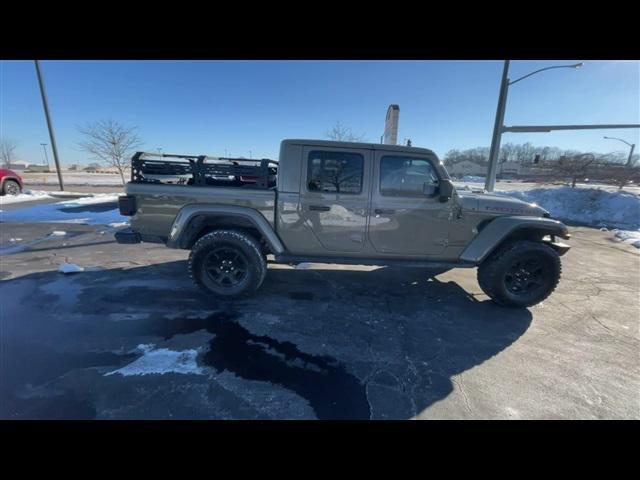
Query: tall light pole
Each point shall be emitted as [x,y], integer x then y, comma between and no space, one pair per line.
[46,158]
[498,126]
[632,145]
[49,125]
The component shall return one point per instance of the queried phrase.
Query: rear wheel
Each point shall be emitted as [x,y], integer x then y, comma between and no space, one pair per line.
[520,274]
[11,187]
[227,263]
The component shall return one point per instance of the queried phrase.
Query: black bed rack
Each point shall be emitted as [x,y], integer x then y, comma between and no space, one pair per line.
[197,171]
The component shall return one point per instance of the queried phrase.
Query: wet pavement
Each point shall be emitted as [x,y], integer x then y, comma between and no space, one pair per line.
[133,338]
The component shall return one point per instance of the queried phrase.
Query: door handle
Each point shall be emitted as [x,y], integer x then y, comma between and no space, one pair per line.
[319,208]
[379,211]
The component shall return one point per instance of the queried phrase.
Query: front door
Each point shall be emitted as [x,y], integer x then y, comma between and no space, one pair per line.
[334,196]
[407,219]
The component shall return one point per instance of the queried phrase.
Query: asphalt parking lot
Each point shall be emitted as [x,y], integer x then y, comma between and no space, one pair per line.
[131,338]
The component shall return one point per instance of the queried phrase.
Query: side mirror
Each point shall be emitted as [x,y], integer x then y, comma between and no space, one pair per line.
[429,189]
[446,190]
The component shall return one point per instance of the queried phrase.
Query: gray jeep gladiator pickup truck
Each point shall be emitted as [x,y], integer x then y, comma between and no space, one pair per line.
[338,202]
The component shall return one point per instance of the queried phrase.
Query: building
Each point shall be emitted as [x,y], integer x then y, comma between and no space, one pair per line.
[390,135]
[466,167]
[38,168]
[510,169]
[18,166]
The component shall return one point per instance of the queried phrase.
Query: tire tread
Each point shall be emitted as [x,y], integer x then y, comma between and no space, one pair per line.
[489,270]
[209,239]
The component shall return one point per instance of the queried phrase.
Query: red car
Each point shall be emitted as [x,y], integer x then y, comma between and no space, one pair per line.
[10,182]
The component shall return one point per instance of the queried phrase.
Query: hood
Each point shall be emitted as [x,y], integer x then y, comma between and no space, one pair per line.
[497,203]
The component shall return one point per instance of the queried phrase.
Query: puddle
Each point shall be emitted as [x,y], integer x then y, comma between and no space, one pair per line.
[91,214]
[332,392]
[95,208]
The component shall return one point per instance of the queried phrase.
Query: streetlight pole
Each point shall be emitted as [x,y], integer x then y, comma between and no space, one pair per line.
[632,145]
[497,130]
[49,125]
[498,126]
[46,158]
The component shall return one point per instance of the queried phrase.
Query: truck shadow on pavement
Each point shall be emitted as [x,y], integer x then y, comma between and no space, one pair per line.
[349,344]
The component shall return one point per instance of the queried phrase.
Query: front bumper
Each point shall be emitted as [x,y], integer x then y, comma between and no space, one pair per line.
[559,247]
[128,236]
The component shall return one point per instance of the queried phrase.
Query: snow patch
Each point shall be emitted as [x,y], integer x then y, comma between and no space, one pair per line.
[473,179]
[118,224]
[92,199]
[58,233]
[161,361]
[25,196]
[70,268]
[98,209]
[587,206]
[628,236]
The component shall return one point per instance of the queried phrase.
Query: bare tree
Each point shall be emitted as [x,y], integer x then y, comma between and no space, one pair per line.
[613,168]
[624,175]
[341,133]
[7,151]
[111,142]
[574,166]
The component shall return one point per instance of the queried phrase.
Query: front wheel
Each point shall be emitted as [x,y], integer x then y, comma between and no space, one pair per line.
[227,263]
[11,187]
[520,274]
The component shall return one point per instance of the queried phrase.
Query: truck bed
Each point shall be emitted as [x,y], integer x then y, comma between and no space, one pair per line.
[163,185]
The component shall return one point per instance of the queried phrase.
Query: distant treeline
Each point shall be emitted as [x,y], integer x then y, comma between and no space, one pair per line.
[525,153]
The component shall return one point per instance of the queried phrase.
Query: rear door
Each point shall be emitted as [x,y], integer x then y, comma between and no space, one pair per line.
[405,221]
[334,196]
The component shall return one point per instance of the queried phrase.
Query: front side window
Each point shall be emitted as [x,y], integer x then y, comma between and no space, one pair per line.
[335,172]
[405,176]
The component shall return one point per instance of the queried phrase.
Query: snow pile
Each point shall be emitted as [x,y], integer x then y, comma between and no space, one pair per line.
[70,268]
[628,236]
[587,206]
[118,224]
[161,361]
[92,199]
[25,196]
[58,233]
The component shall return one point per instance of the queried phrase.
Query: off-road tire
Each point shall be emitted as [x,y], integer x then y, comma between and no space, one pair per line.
[11,187]
[247,248]
[494,273]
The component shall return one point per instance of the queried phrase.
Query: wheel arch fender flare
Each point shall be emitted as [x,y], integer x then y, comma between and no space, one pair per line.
[499,229]
[181,230]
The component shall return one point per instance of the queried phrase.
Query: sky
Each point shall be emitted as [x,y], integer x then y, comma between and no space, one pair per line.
[245,108]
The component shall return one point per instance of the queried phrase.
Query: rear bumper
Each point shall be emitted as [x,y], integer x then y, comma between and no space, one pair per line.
[128,236]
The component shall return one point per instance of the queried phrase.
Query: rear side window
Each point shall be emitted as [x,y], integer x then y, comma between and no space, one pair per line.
[335,172]
[405,176]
